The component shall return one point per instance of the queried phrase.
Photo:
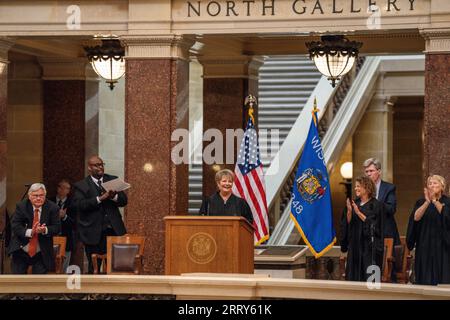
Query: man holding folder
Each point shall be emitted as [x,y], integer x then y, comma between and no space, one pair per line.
[98,209]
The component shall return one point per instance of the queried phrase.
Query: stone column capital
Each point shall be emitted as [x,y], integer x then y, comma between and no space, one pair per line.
[437,40]
[5,44]
[226,66]
[156,47]
[59,68]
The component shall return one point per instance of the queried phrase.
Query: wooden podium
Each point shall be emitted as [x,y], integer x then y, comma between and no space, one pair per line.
[218,244]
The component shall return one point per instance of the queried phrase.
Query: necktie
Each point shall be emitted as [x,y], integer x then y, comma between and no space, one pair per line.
[100,189]
[34,239]
[60,204]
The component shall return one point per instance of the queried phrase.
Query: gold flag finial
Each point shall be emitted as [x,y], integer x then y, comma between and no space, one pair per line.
[250,101]
[314,111]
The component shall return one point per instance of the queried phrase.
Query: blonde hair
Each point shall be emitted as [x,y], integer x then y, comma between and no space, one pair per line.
[439,179]
[224,172]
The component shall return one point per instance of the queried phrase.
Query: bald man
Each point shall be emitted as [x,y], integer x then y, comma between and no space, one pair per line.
[98,209]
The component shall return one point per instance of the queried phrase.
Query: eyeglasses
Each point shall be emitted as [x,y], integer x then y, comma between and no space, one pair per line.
[37,195]
[98,165]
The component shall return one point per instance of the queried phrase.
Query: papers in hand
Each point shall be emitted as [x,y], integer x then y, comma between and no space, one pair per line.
[116,185]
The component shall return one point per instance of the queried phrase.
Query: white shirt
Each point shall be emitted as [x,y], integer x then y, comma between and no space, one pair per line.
[29,231]
[377,187]
[101,181]
[63,204]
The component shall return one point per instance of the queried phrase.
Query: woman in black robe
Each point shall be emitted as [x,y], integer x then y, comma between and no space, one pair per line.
[362,230]
[429,232]
[224,202]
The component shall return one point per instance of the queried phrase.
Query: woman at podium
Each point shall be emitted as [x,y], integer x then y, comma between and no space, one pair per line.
[224,202]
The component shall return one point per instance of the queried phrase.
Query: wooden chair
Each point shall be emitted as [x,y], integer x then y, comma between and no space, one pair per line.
[387,255]
[59,251]
[124,255]
[401,262]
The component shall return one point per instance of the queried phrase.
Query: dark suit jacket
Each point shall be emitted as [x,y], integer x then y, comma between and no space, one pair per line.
[91,213]
[68,225]
[23,219]
[386,195]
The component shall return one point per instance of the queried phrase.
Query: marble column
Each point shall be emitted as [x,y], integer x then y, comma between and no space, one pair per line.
[156,104]
[5,45]
[225,86]
[437,103]
[70,90]
[374,136]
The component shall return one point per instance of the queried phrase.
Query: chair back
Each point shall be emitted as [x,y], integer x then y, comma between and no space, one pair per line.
[59,251]
[387,257]
[403,260]
[124,254]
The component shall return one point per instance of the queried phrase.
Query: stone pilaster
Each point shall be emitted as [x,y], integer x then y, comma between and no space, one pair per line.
[225,86]
[156,104]
[5,45]
[374,136]
[70,118]
[437,103]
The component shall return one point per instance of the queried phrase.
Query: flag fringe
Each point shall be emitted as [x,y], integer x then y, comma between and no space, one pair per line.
[316,254]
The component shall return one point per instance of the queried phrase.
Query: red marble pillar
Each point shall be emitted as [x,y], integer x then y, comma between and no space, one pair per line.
[223,108]
[225,86]
[437,107]
[4,47]
[64,118]
[156,103]
[65,123]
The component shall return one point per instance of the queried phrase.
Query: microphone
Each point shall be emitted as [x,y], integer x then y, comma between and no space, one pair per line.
[206,212]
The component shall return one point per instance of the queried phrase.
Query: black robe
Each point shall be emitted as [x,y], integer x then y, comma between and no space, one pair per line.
[429,236]
[356,238]
[235,206]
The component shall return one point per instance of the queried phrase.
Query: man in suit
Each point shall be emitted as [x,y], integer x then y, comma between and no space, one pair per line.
[385,193]
[98,210]
[34,223]
[67,216]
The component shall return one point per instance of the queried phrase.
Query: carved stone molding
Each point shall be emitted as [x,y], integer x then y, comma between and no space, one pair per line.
[226,67]
[437,40]
[153,47]
[57,68]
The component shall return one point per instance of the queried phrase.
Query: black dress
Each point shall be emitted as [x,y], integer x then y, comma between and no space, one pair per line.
[430,236]
[234,206]
[356,238]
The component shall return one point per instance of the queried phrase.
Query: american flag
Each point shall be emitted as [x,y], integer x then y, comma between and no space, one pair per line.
[249,182]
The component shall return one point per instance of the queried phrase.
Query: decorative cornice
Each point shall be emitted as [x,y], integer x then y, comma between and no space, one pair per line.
[153,47]
[57,68]
[225,67]
[437,40]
